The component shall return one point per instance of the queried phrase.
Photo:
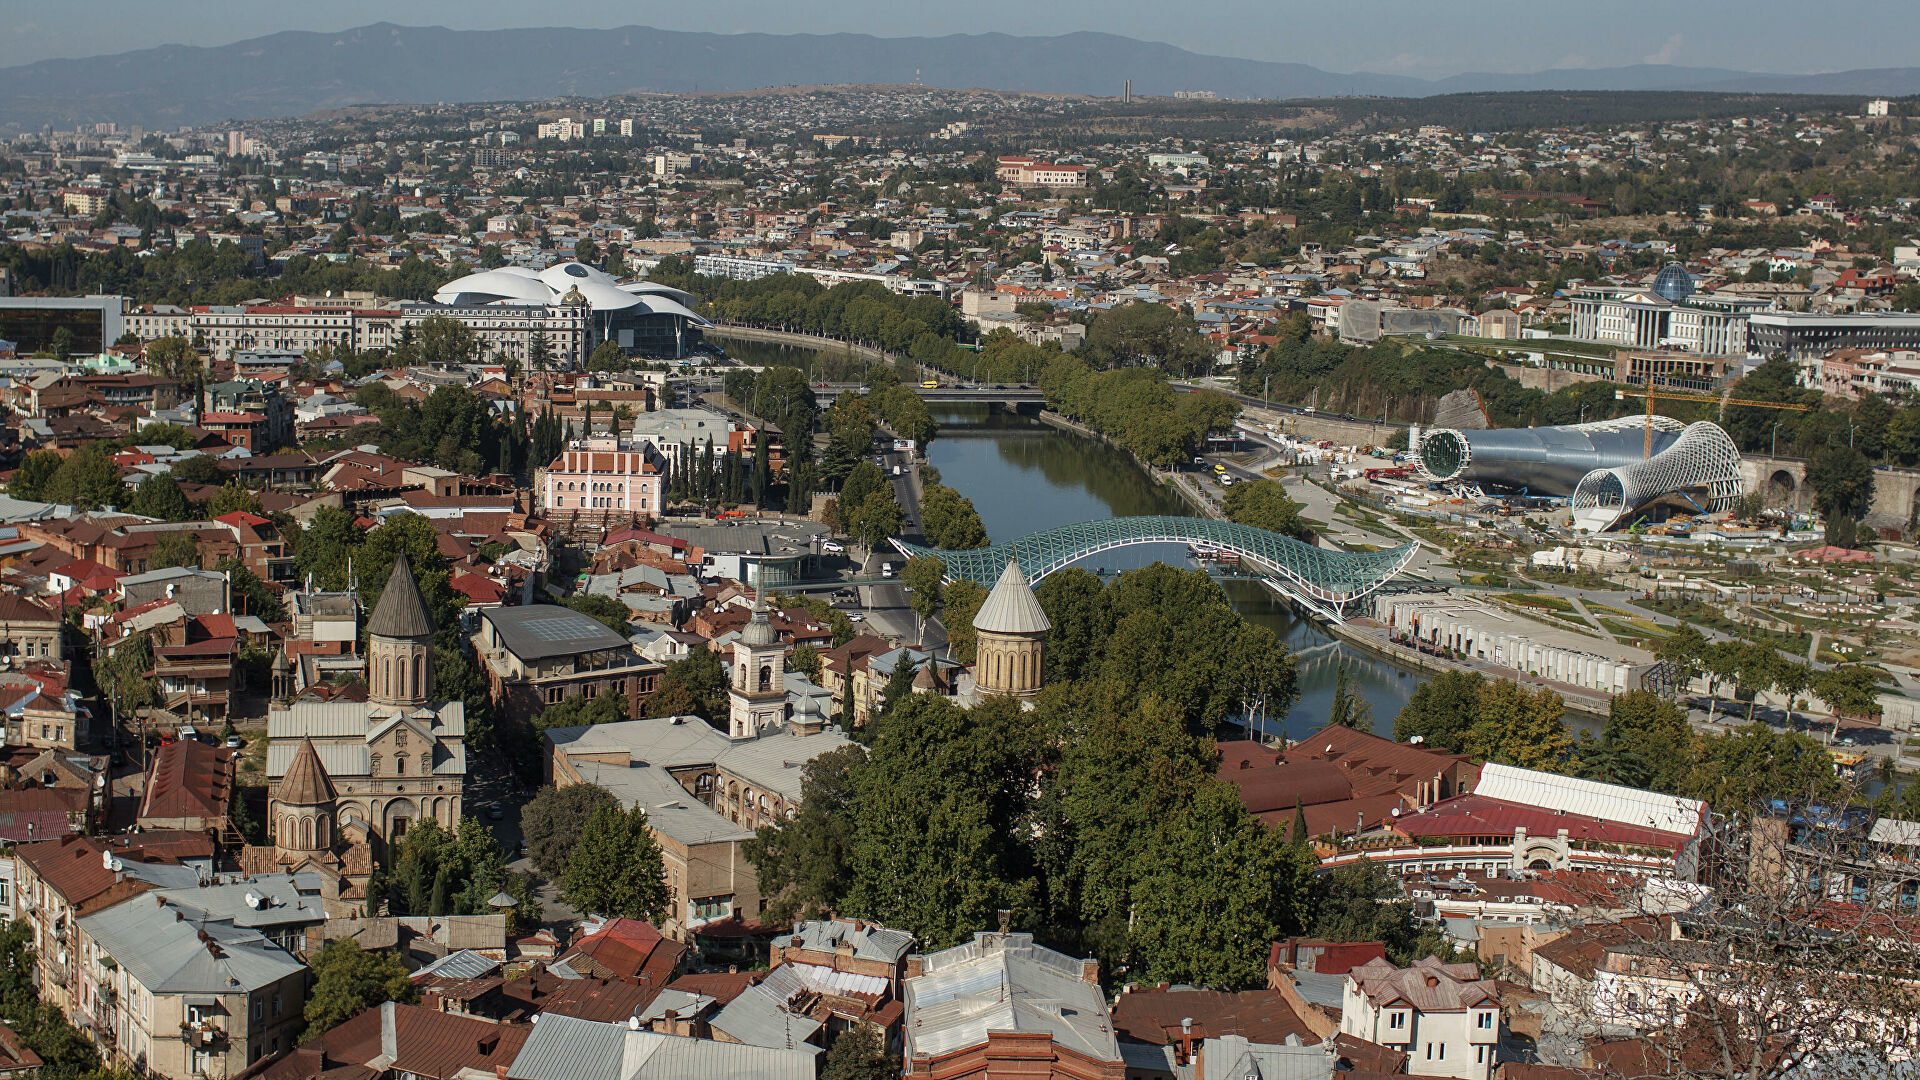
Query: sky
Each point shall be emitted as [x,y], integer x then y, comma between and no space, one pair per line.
[1424,38]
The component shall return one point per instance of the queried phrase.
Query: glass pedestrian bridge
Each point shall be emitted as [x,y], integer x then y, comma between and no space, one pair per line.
[1323,580]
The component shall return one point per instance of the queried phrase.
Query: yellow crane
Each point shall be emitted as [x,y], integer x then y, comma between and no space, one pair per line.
[1699,399]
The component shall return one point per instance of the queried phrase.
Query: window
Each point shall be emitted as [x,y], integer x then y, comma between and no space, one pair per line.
[1485,1020]
[399,764]
[1396,1021]
[259,1010]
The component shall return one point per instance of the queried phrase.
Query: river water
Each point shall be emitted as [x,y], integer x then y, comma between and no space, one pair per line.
[1024,476]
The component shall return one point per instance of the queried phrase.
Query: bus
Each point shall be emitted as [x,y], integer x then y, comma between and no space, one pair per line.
[930,385]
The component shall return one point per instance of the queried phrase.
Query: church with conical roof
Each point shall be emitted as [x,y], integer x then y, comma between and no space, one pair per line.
[349,768]
[1010,638]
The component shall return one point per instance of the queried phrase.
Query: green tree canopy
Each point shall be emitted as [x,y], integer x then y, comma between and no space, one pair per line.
[615,868]
[552,821]
[348,979]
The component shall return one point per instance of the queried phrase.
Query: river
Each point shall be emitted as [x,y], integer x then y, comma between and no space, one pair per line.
[1024,476]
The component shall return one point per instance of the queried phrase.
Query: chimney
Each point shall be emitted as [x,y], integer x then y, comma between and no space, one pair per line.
[389,1039]
[1006,920]
[1186,1041]
[1090,971]
[916,967]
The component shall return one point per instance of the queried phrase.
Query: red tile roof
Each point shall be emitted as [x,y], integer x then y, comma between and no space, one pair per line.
[189,779]
[1477,815]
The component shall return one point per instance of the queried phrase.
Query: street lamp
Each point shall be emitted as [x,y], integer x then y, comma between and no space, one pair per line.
[1775,452]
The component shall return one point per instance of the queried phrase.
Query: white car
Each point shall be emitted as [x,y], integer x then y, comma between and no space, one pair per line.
[855,616]
[832,548]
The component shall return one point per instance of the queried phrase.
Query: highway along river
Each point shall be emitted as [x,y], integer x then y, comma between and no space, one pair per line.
[1024,476]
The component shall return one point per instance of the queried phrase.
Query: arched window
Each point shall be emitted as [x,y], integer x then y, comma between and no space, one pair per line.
[386,689]
[766,678]
[320,838]
[306,834]
[399,764]
[419,674]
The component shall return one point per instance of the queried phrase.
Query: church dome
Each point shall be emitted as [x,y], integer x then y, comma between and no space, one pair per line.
[402,611]
[1011,608]
[306,782]
[759,631]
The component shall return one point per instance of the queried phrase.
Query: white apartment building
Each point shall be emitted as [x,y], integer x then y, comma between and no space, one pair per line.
[1444,1017]
[505,329]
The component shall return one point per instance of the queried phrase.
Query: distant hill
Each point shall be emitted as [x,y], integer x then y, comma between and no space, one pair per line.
[297,72]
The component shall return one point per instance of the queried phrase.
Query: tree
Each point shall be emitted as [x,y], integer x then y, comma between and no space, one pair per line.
[802,861]
[1650,741]
[694,685]
[806,660]
[1360,902]
[963,600]
[1842,483]
[1349,709]
[552,819]
[348,979]
[880,517]
[1264,504]
[1441,710]
[178,548]
[160,497]
[929,850]
[1220,887]
[609,612]
[857,1054]
[949,520]
[88,479]
[233,497]
[583,710]
[1749,766]
[36,471]
[445,342]
[1685,655]
[923,575]
[250,593]
[1851,689]
[615,867]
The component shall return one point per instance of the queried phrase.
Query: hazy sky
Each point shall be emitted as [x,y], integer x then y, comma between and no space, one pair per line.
[1426,38]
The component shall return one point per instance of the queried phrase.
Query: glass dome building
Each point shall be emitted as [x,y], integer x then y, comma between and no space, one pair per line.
[1674,283]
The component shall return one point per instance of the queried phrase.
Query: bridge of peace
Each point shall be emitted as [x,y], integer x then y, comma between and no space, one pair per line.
[1322,581]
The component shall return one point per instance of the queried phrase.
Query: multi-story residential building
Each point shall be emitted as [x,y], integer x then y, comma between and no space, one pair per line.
[1444,1017]
[180,992]
[27,630]
[962,1024]
[621,481]
[542,654]
[269,413]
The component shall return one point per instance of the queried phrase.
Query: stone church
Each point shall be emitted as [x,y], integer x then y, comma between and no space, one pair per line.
[344,771]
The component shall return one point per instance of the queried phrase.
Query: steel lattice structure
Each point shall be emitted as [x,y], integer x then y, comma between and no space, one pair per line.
[1327,581]
[1702,458]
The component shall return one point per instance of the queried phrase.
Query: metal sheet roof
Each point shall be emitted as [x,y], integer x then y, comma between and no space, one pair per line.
[565,1048]
[1004,982]
[542,630]
[1609,802]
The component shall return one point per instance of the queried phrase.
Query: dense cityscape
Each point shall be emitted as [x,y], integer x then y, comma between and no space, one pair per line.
[845,582]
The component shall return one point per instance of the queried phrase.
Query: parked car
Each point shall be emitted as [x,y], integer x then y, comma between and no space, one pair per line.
[235,742]
[833,548]
[856,616]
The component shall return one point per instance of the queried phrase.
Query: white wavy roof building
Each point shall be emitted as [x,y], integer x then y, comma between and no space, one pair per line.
[603,292]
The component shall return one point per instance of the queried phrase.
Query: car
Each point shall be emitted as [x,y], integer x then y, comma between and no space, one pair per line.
[856,616]
[235,742]
[1220,469]
[929,385]
[832,548]
[494,813]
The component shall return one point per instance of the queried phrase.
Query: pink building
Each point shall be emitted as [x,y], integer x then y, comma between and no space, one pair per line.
[589,482]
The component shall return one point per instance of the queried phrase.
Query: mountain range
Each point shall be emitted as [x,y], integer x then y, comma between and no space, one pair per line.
[296,72]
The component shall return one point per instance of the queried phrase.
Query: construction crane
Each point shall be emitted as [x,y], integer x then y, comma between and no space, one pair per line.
[1699,399]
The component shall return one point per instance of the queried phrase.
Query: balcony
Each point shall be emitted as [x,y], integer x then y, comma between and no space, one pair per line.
[203,1033]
